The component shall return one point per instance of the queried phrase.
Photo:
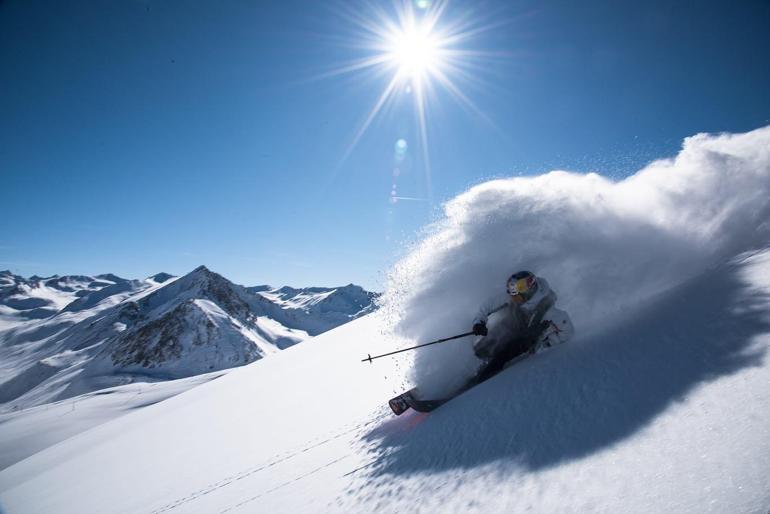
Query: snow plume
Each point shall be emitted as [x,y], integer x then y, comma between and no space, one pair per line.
[605,247]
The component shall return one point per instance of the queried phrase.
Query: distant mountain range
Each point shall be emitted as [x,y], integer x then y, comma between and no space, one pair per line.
[65,336]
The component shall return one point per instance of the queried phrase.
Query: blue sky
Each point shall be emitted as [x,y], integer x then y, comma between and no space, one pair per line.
[147,136]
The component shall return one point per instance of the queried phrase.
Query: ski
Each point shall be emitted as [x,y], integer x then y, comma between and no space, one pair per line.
[426,405]
[408,400]
[399,404]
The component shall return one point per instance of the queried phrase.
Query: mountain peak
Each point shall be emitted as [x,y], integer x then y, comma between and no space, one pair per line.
[111,277]
[35,278]
[162,277]
[203,273]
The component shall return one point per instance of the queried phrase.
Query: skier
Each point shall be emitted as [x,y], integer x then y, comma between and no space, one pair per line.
[527,322]
[521,320]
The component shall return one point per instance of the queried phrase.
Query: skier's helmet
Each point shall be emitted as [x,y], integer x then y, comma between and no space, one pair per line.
[523,284]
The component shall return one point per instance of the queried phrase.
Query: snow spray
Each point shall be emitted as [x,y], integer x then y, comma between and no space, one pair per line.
[605,246]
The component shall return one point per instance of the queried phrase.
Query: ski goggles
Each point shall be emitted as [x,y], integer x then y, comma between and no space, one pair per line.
[520,287]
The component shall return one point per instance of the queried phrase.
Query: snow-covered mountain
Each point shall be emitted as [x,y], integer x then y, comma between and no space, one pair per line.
[23,299]
[106,331]
[317,309]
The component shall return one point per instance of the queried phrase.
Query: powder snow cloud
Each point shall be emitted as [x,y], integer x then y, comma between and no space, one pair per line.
[605,246]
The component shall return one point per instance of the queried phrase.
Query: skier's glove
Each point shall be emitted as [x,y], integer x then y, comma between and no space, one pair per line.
[480,329]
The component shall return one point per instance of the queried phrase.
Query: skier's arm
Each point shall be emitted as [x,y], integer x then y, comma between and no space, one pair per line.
[492,305]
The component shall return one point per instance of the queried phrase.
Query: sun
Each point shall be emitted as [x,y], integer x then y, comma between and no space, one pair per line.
[415,51]
[420,50]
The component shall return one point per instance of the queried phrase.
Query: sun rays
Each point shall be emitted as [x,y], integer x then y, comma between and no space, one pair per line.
[418,50]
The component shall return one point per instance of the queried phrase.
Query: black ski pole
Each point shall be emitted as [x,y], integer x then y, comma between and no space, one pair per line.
[369,358]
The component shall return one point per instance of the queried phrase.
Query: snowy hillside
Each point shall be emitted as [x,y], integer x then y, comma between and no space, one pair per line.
[105,331]
[661,403]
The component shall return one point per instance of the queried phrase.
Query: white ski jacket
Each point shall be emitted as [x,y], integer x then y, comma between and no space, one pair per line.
[541,307]
[544,298]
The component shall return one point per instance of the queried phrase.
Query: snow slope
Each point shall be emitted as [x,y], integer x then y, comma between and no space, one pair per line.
[661,403]
[643,418]
[27,432]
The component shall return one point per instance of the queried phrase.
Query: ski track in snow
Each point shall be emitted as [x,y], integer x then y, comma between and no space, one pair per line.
[274,461]
[309,473]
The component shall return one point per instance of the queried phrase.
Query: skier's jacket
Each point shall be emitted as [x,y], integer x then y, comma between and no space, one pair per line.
[519,318]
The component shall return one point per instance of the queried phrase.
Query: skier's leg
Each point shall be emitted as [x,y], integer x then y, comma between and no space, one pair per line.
[490,369]
[485,347]
[511,350]
[518,346]
[496,363]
